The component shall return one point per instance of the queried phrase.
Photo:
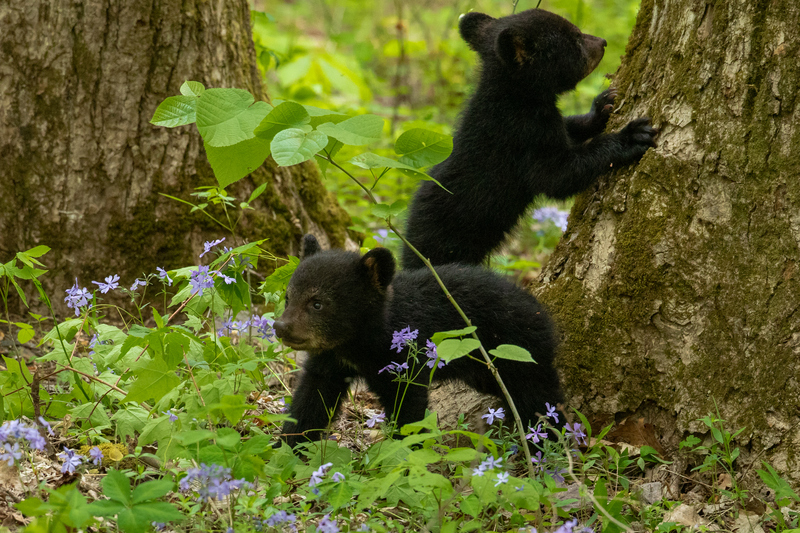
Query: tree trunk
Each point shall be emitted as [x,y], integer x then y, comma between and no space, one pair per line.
[82,169]
[676,286]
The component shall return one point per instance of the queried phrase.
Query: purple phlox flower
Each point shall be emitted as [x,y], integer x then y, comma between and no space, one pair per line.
[244,260]
[227,249]
[376,419]
[77,298]
[11,453]
[478,471]
[263,326]
[538,459]
[363,527]
[567,527]
[576,432]
[502,477]
[551,412]
[326,525]
[227,279]
[46,425]
[514,449]
[431,354]
[400,339]
[491,463]
[556,474]
[172,416]
[559,218]
[380,235]
[158,526]
[227,327]
[537,434]
[207,246]
[138,283]
[318,474]
[200,279]
[281,517]
[230,530]
[163,275]
[337,477]
[71,461]
[111,283]
[211,481]
[492,414]
[241,325]
[97,455]
[394,368]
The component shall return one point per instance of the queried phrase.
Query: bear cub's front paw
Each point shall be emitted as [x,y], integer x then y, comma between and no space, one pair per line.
[603,106]
[639,135]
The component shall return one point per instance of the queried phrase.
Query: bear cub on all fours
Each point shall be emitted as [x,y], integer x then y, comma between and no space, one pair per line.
[511,143]
[343,309]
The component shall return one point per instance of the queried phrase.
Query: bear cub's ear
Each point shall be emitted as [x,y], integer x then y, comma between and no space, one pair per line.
[309,247]
[472,27]
[511,48]
[379,267]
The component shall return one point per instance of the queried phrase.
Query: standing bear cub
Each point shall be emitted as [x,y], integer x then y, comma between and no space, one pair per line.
[344,310]
[512,143]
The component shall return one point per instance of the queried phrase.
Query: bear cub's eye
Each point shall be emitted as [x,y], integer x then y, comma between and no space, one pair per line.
[317,306]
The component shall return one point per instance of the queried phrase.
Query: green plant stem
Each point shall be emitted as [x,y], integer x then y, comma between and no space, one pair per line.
[591,496]
[465,318]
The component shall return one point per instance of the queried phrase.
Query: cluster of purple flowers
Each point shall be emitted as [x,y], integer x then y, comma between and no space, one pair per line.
[489,464]
[576,432]
[212,481]
[15,432]
[71,460]
[431,354]
[536,434]
[394,368]
[111,283]
[262,326]
[326,525]
[207,246]
[559,217]
[492,414]
[277,519]
[200,279]
[77,298]
[400,339]
[570,526]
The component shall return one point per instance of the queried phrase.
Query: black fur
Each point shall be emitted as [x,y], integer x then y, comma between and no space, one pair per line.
[342,308]
[512,143]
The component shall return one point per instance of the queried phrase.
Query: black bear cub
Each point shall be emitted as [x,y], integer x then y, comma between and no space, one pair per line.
[343,309]
[512,143]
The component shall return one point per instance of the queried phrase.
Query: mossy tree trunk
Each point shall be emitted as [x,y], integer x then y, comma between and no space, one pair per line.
[677,283]
[82,168]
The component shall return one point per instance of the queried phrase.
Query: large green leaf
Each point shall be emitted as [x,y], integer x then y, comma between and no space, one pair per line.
[228,116]
[423,148]
[386,211]
[293,146]
[175,111]
[192,88]
[442,335]
[515,353]
[355,131]
[232,163]
[153,381]
[283,116]
[451,349]
[117,487]
[152,490]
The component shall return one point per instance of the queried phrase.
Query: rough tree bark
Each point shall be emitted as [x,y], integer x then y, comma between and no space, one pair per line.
[676,285]
[82,168]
